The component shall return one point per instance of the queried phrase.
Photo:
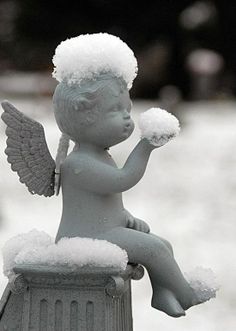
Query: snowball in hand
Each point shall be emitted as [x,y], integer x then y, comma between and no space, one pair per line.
[158,126]
[89,55]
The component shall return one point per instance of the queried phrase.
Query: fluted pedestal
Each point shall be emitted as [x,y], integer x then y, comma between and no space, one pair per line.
[59,299]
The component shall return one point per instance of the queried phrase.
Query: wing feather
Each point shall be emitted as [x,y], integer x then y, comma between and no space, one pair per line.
[12,151]
[27,151]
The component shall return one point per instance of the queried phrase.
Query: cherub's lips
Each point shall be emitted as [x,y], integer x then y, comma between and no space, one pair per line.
[127,127]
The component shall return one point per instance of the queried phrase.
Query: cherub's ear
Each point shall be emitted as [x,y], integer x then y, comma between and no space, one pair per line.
[86,109]
[81,104]
[91,116]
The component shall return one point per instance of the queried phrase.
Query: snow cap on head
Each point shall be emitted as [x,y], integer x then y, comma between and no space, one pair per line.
[87,56]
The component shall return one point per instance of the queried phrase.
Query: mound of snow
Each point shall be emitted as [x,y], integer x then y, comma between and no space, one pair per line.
[86,56]
[158,126]
[203,282]
[38,248]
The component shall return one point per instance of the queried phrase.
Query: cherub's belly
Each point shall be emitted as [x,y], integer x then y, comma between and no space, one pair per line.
[91,217]
[78,227]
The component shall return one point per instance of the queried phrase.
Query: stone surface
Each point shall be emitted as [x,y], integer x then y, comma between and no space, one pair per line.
[58,299]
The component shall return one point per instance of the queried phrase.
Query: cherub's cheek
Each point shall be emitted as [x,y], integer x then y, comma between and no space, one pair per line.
[77,171]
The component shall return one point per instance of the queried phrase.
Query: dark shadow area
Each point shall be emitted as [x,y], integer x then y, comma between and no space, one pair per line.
[162,34]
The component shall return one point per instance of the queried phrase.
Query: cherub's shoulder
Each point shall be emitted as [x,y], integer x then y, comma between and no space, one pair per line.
[76,160]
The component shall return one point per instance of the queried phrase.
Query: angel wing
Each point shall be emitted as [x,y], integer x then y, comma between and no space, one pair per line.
[28,152]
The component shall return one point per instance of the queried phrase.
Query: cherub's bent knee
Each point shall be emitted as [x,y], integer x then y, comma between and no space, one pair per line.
[169,246]
[146,247]
[141,247]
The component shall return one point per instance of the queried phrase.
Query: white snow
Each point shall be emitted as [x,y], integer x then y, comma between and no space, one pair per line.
[158,126]
[38,248]
[204,283]
[20,242]
[86,56]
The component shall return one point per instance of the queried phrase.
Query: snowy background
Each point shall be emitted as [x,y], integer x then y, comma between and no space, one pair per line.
[188,196]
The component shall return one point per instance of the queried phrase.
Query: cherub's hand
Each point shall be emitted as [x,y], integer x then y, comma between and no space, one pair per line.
[137,224]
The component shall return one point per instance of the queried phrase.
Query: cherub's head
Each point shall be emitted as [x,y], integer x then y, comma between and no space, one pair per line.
[96,111]
[91,101]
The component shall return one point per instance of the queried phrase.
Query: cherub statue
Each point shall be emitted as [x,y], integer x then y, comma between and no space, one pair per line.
[93,109]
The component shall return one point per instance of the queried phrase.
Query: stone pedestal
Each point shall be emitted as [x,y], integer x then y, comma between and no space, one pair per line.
[59,299]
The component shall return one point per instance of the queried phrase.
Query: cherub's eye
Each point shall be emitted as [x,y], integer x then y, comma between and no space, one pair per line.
[115,109]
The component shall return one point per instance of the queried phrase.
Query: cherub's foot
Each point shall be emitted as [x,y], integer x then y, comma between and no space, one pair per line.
[165,301]
[192,301]
[196,299]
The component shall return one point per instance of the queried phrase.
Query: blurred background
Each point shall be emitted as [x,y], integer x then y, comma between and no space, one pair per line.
[186,51]
[177,43]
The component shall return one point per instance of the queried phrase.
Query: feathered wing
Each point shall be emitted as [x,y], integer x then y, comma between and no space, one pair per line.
[28,152]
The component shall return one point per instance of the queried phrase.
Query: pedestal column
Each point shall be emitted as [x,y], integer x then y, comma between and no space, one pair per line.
[61,299]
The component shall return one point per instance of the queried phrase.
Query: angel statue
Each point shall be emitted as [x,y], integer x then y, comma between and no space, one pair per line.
[92,108]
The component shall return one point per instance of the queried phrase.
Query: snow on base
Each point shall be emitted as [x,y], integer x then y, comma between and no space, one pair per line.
[203,282]
[86,56]
[38,248]
[158,126]
[22,241]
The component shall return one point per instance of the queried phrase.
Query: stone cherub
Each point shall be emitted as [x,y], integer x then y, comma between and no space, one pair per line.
[93,109]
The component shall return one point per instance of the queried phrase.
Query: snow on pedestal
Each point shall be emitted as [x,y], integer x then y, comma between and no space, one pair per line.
[49,294]
[38,248]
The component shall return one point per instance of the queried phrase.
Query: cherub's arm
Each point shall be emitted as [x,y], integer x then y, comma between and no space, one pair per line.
[105,179]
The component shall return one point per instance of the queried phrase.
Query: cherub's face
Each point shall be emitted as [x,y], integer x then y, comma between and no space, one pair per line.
[113,123]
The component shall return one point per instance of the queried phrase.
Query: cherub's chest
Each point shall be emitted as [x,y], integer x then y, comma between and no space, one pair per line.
[77,169]
[107,160]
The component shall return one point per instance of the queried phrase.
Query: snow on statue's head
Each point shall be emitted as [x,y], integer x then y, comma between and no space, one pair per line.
[86,67]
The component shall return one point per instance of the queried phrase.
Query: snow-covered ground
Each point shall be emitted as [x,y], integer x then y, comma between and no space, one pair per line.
[188,195]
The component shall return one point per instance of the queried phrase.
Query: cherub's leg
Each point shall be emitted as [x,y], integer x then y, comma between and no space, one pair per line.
[171,292]
[165,242]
